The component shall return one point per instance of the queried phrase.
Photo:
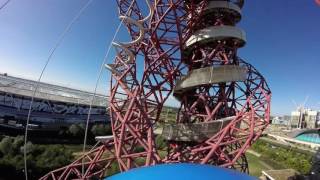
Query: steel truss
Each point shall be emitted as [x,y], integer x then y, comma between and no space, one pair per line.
[167,42]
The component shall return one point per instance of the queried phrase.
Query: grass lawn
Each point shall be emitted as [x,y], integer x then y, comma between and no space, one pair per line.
[256,165]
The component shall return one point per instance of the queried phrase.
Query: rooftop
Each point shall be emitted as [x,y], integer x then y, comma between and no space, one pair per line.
[51,92]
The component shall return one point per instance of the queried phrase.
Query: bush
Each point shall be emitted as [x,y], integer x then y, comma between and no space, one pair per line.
[160,142]
[40,158]
[283,158]
[76,130]
[6,145]
[53,156]
[101,129]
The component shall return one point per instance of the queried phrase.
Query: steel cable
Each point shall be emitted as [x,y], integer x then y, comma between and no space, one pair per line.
[4,4]
[52,51]
[98,79]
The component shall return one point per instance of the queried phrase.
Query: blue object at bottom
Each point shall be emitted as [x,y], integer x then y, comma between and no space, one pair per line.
[181,171]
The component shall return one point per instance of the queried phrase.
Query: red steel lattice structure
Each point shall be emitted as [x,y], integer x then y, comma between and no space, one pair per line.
[188,48]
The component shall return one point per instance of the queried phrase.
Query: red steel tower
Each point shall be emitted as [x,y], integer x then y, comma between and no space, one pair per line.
[188,49]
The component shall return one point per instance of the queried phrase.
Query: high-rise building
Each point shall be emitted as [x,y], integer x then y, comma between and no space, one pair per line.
[305,118]
[310,118]
[295,117]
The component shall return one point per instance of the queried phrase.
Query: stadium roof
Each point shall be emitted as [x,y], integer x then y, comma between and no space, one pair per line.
[47,91]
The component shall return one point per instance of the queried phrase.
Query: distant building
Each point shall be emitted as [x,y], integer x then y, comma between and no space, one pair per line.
[287,118]
[277,120]
[310,118]
[318,120]
[53,107]
[295,116]
[306,118]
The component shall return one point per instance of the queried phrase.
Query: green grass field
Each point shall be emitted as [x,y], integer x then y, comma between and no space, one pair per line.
[256,165]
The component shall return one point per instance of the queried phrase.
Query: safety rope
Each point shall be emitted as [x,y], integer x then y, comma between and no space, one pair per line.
[52,51]
[98,79]
[4,4]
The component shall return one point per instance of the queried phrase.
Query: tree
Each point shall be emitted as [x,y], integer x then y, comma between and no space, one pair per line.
[160,142]
[53,156]
[6,145]
[100,130]
[40,158]
[29,147]
[76,130]
[18,142]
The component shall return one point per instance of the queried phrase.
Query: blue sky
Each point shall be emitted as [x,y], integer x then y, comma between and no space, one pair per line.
[283,44]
